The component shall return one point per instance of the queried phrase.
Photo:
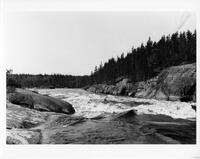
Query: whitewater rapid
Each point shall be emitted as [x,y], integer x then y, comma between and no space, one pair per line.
[90,105]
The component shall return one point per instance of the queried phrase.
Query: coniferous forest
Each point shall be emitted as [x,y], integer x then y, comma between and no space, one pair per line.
[148,60]
[139,64]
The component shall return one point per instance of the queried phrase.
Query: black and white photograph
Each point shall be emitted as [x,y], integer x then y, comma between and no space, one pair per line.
[100,77]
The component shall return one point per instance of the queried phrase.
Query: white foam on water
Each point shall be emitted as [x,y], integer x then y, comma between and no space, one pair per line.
[90,105]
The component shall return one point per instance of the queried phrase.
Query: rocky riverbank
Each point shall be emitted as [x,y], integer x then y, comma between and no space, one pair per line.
[27,109]
[177,83]
[98,119]
[28,126]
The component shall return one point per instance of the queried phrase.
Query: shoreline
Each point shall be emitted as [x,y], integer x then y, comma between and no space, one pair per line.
[99,119]
[174,109]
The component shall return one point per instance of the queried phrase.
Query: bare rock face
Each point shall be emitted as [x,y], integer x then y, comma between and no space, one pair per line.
[22,124]
[22,136]
[36,101]
[122,87]
[123,128]
[20,117]
[173,83]
[20,121]
[27,110]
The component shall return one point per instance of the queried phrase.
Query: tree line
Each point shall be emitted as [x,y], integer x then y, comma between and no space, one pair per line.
[148,60]
[139,64]
[46,81]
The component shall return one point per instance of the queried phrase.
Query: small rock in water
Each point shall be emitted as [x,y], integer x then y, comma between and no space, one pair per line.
[194,107]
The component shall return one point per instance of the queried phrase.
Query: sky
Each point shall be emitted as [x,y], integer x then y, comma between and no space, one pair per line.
[75,42]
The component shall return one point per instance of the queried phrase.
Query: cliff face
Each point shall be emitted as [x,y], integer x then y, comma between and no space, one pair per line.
[173,83]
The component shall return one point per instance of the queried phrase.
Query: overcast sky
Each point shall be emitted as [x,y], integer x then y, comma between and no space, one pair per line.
[74,42]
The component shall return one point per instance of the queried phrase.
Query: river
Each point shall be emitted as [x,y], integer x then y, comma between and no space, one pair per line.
[108,119]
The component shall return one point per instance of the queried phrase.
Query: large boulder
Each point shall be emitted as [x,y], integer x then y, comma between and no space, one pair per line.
[40,102]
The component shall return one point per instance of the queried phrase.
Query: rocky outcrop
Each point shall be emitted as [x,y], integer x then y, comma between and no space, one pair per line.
[174,83]
[122,128]
[19,124]
[122,87]
[39,102]
[21,117]
[24,125]
[22,136]
[141,124]
[27,110]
